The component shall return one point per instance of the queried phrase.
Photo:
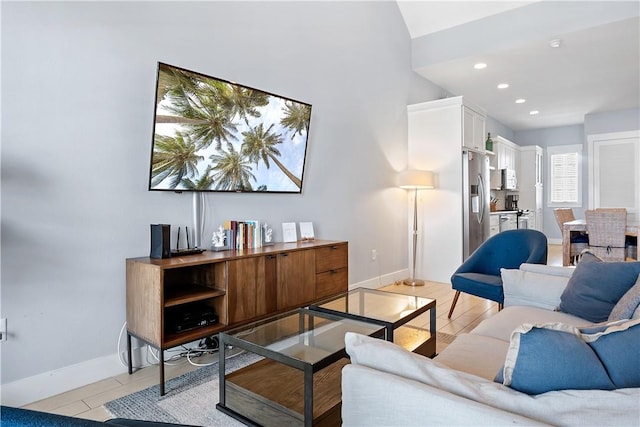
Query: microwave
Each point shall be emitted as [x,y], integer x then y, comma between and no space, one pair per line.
[509,180]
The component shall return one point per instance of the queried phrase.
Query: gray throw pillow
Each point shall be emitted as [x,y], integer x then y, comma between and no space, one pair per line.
[596,287]
[627,305]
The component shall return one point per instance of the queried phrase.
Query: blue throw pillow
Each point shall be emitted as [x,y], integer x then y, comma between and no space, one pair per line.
[627,305]
[595,287]
[556,356]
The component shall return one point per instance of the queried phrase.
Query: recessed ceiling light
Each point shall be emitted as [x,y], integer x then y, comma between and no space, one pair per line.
[555,43]
[503,85]
[520,101]
[480,66]
[534,112]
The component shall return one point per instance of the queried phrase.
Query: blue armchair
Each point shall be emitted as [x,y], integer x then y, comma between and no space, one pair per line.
[479,275]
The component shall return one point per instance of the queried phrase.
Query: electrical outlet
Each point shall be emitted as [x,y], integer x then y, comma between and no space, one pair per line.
[374,254]
[3,329]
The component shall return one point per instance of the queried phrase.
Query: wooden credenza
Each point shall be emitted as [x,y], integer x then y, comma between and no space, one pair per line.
[239,286]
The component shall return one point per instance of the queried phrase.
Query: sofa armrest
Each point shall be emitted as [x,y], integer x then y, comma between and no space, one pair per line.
[374,398]
[535,285]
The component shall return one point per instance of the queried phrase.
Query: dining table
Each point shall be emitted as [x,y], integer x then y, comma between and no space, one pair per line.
[580,225]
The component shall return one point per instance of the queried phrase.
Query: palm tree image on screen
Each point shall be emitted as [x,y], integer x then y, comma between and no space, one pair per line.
[215,135]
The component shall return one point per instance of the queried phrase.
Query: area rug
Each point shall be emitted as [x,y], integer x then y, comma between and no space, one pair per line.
[191,398]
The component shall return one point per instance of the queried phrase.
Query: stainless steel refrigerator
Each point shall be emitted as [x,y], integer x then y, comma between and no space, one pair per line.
[475,209]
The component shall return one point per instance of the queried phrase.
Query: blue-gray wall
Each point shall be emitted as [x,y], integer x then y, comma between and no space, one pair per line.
[77,105]
[596,123]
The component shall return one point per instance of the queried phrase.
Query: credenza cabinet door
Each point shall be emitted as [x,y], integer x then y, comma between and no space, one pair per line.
[252,287]
[296,278]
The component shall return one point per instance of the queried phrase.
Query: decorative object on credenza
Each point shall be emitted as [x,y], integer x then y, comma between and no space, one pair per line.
[289,232]
[267,235]
[160,241]
[219,239]
[415,180]
[306,232]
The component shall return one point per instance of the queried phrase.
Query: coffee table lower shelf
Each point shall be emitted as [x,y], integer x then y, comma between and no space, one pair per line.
[416,340]
[272,394]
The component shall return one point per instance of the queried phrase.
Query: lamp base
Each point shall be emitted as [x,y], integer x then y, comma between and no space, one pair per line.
[413,282]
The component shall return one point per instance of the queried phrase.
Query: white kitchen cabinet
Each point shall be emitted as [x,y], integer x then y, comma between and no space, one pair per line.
[435,142]
[473,125]
[494,224]
[506,152]
[530,182]
[507,156]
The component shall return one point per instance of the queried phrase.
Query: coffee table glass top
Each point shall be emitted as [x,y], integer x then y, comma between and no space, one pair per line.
[303,336]
[386,308]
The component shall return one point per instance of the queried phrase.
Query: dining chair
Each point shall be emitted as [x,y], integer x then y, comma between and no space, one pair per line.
[630,242]
[480,275]
[578,241]
[606,231]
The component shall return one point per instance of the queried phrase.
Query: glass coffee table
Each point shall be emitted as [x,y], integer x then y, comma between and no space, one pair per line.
[298,382]
[391,310]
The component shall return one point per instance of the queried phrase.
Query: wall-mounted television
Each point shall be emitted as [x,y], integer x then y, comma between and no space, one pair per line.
[215,135]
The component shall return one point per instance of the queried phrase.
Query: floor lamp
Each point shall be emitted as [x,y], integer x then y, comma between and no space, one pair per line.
[415,180]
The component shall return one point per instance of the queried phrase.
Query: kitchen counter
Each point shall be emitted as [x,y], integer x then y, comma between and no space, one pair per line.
[503,212]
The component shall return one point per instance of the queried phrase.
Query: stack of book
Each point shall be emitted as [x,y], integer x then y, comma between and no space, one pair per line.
[241,235]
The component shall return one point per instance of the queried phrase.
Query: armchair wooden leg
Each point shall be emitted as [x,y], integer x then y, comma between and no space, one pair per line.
[453,304]
[500,306]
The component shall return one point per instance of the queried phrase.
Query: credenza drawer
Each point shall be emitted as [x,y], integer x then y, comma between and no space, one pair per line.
[332,282]
[332,257]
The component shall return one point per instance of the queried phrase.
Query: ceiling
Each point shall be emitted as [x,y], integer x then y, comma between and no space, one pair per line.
[595,69]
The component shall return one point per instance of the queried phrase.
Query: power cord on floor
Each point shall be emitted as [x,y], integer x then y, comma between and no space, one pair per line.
[206,346]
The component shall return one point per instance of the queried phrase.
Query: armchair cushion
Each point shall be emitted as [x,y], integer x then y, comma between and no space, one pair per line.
[471,283]
[595,287]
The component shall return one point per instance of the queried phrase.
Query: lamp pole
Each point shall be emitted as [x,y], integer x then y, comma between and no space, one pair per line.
[413,281]
[415,180]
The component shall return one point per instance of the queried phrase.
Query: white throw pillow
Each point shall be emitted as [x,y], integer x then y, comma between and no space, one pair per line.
[543,290]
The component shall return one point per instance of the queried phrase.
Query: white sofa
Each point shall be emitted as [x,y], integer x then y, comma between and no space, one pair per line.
[386,385]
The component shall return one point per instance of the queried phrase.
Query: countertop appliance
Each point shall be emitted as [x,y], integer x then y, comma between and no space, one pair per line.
[509,180]
[511,202]
[475,187]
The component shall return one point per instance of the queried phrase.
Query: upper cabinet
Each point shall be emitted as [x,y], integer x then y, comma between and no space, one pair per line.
[506,153]
[466,123]
[473,125]
[507,156]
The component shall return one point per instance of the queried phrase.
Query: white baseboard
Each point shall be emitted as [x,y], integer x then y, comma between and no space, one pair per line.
[28,390]
[31,389]
[380,281]
[554,241]
[47,384]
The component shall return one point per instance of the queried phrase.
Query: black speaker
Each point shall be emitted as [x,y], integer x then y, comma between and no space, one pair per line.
[160,241]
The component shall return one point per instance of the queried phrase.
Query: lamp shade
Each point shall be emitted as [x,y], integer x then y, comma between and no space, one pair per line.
[416,179]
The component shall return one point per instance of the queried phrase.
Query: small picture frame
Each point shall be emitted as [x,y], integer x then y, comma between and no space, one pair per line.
[306,232]
[289,232]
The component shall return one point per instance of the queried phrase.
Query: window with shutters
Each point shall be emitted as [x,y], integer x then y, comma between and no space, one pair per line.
[565,177]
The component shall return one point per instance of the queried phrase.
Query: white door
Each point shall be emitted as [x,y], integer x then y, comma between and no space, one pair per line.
[614,173]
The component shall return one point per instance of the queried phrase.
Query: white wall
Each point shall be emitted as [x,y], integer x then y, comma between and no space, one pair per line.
[77,104]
